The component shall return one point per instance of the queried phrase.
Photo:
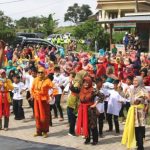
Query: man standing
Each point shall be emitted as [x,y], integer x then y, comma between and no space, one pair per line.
[39,92]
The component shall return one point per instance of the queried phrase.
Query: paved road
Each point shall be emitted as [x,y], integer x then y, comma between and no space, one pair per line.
[58,138]
[7,143]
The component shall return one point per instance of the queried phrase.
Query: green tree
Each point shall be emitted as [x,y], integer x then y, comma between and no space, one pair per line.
[7,31]
[93,32]
[77,13]
[37,24]
[22,23]
[49,25]
[85,13]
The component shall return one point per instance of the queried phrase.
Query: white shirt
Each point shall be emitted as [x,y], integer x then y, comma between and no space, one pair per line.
[127,89]
[17,89]
[59,81]
[100,106]
[114,106]
[28,81]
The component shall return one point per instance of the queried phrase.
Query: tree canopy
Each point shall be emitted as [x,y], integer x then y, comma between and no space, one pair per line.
[38,24]
[7,30]
[77,13]
[92,31]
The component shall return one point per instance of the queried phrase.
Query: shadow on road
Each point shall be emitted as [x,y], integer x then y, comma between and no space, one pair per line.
[7,143]
[23,127]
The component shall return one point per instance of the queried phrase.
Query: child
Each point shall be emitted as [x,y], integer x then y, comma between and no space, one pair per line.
[52,93]
[72,104]
[19,88]
[100,107]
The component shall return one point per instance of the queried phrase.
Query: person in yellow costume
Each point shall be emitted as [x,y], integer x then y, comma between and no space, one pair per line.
[5,87]
[134,130]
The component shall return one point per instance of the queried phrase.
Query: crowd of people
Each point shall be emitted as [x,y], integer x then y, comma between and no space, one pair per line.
[100,87]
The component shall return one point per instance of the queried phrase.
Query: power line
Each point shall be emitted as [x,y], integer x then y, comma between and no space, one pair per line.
[11,2]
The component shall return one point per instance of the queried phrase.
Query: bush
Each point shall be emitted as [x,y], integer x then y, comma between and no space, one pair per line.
[7,35]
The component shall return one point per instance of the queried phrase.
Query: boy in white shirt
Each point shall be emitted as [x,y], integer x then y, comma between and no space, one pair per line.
[19,88]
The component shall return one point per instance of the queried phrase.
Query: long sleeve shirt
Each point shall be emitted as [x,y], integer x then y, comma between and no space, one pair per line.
[40,89]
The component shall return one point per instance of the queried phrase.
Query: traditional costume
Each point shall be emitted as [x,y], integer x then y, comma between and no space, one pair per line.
[87,120]
[134,130]
[5,87]
[40,94]
[73,100]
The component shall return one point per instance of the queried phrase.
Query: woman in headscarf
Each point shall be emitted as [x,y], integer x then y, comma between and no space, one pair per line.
[87,120]
[73,98]
[110,75]
[5,87]
[146,78]
[42,55]
[78,67]
[50,67]
[93,62]
[136,64]
[10,67]
[87,66]
[134,130]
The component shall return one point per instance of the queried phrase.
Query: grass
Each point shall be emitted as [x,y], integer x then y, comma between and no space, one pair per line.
[118,36]
[63,30]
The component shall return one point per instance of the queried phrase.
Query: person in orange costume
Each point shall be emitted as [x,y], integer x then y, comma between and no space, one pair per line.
[40,87]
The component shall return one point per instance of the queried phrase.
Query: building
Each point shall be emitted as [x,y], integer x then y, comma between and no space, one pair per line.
[110,9]
[142,26]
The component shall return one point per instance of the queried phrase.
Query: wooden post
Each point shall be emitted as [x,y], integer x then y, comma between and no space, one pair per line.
[137,6]
[110,40]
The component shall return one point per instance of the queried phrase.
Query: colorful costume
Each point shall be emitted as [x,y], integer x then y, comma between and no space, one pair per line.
[40,94]
[87,120]
[5,87]
[73,100]
[134,130]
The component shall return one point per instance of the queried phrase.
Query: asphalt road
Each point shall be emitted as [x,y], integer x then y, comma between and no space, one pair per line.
[7,143]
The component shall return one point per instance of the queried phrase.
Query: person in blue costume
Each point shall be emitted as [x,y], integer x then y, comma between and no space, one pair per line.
[101,52]
[93,62]
[10,67]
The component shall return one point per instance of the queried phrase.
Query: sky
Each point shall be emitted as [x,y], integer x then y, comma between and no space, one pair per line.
[27,8]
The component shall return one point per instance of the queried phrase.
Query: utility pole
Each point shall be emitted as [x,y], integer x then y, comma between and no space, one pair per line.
[137,6]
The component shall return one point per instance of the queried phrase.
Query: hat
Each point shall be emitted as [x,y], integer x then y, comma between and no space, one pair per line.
[108,85]
[41,69]
[2,71]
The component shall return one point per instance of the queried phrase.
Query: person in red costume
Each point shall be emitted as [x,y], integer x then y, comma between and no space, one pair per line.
[78,67]
[87,120]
